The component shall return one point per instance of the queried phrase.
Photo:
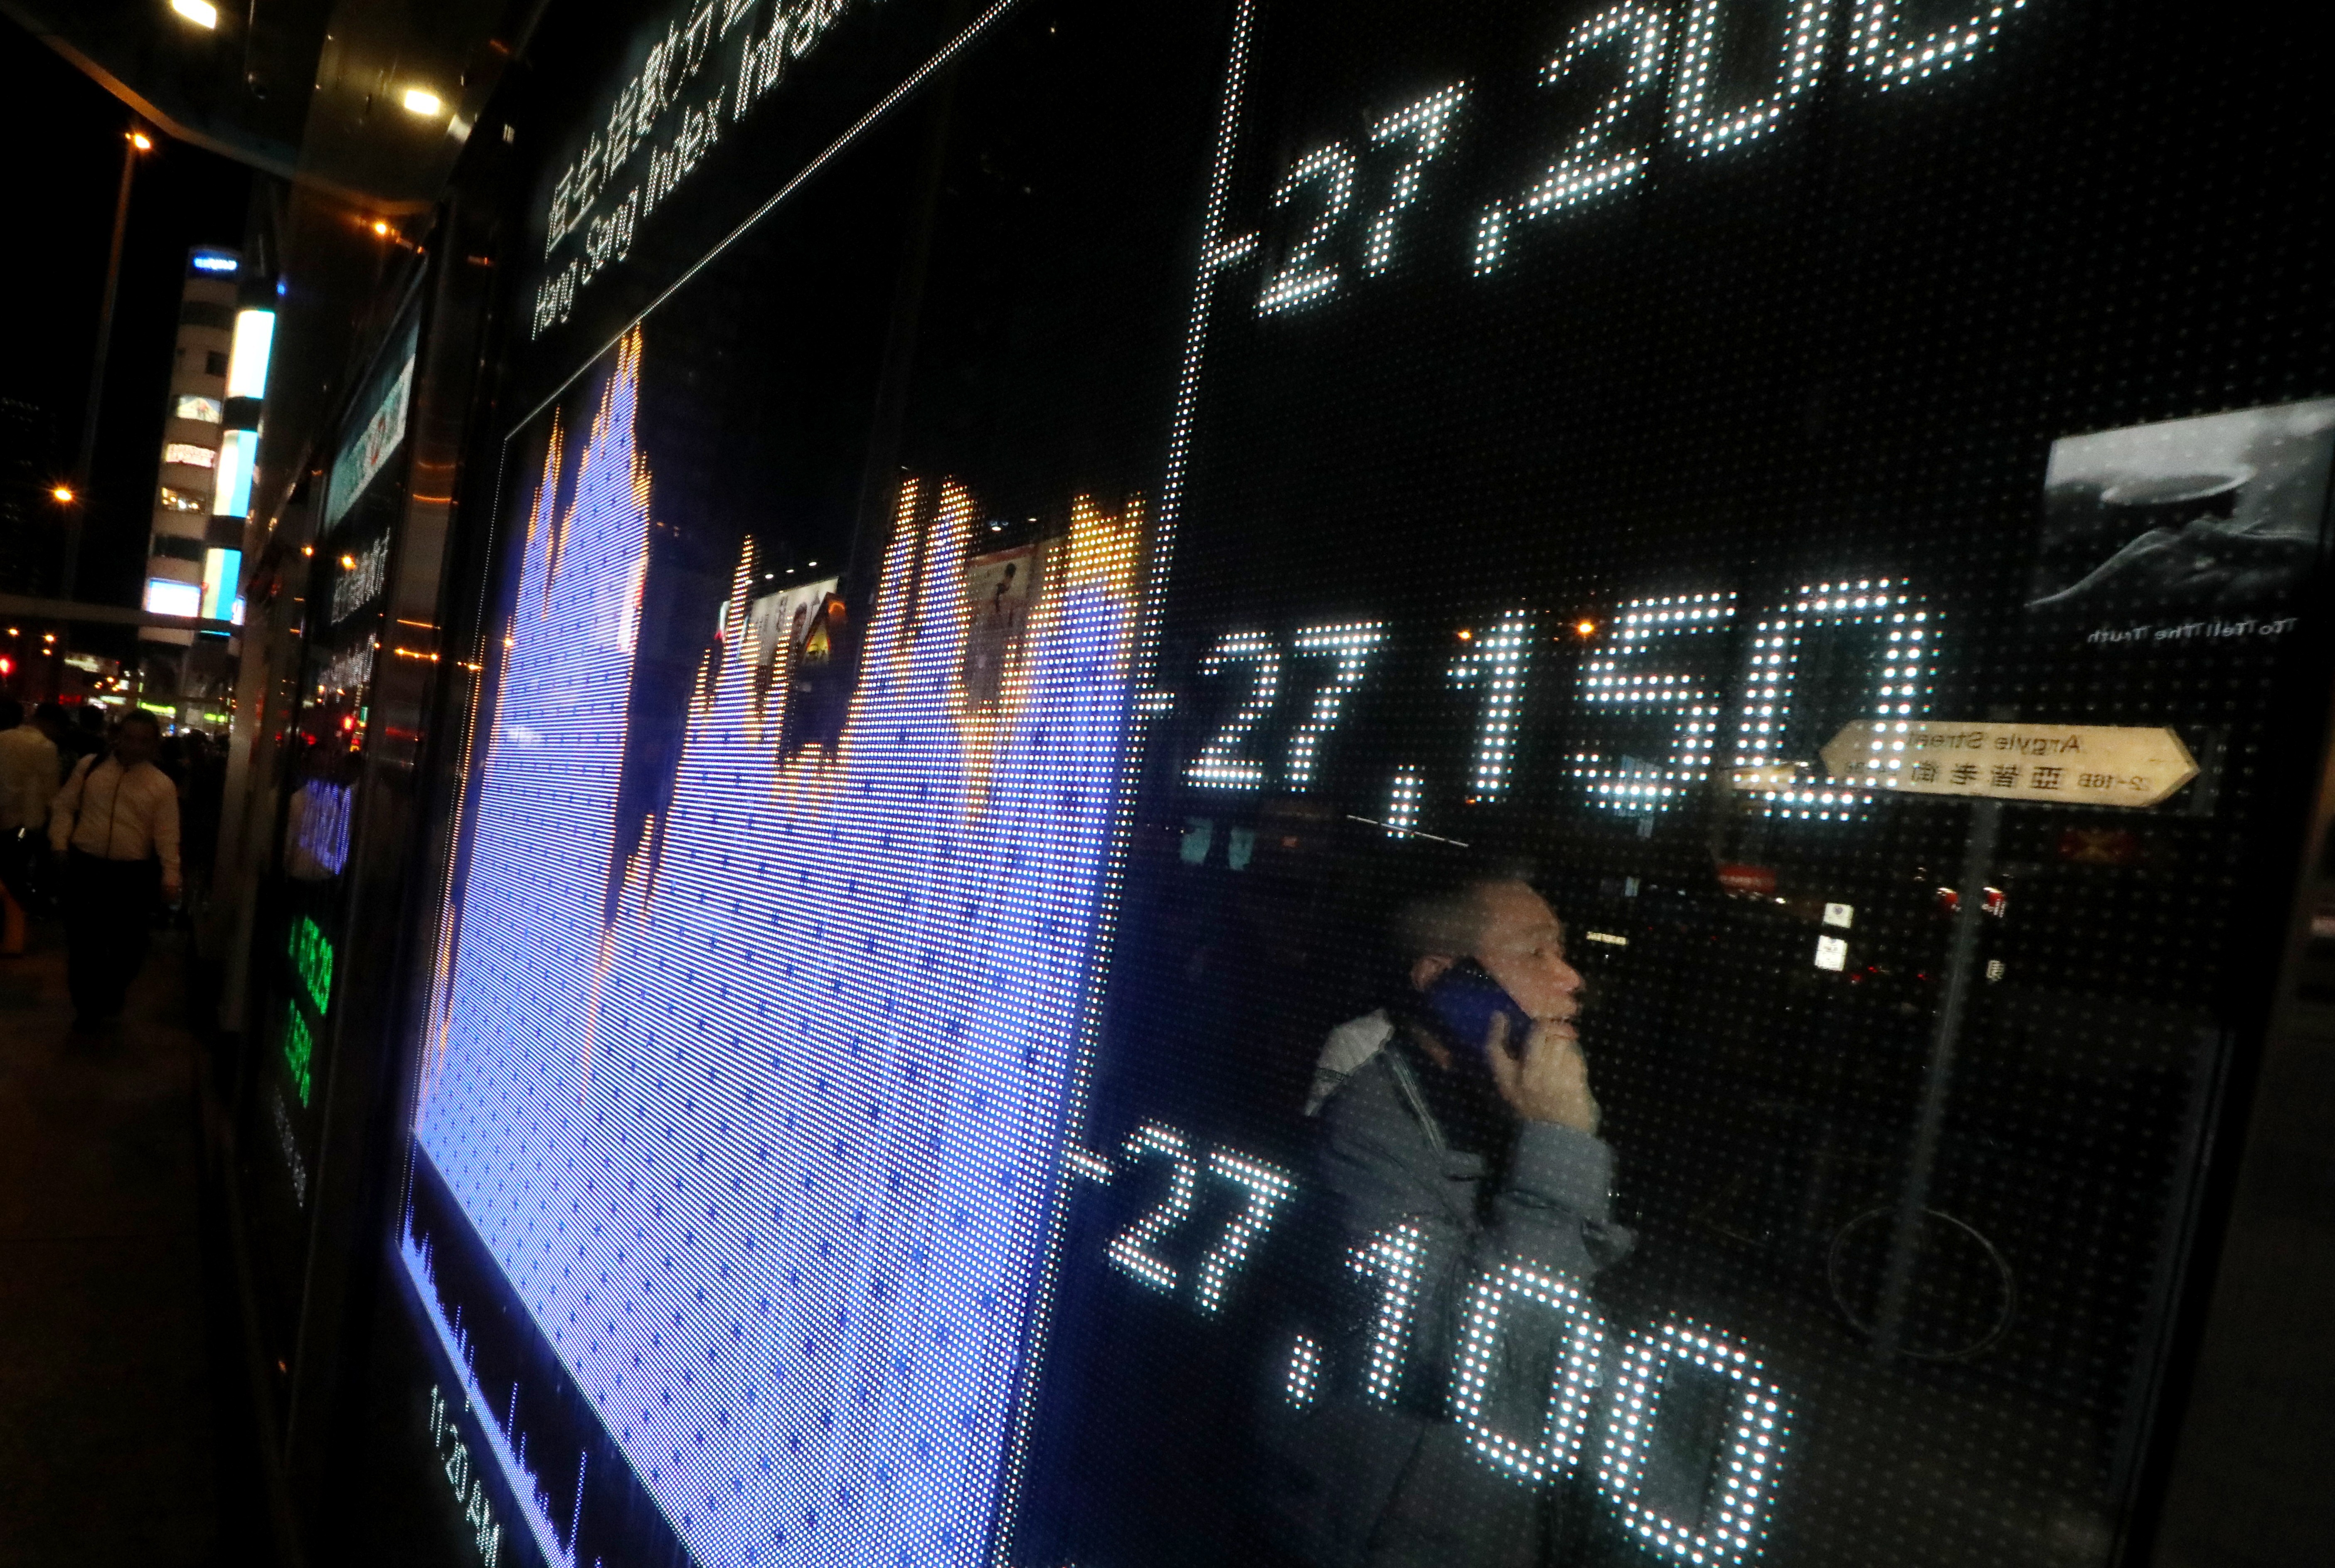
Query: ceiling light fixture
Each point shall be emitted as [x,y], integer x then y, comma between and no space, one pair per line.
[422,101]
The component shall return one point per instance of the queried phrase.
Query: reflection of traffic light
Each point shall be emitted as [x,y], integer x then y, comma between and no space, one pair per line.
[7,666]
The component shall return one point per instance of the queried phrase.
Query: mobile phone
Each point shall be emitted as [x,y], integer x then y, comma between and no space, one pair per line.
[1463,1002]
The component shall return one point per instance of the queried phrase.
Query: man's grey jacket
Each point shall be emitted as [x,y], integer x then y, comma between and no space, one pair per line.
[1376,1471]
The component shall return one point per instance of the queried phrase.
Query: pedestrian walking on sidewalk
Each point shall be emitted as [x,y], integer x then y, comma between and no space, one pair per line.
[116,822]
[28,782]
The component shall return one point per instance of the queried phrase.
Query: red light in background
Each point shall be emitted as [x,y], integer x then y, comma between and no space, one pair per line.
[1992,901]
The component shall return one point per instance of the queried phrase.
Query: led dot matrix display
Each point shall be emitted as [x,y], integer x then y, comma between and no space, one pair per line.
[1637,374]
[1403,543]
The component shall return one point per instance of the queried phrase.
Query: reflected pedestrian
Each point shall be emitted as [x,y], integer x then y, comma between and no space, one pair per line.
[1458,1119]
[116,821]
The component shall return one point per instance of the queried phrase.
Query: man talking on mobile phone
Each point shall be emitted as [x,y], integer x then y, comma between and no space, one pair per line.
[1457,1137]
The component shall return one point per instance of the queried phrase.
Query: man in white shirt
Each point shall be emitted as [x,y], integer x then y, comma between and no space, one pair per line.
[116,821]
[28,779]
[28,764]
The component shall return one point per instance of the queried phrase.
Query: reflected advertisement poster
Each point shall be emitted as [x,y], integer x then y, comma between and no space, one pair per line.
[2195,530]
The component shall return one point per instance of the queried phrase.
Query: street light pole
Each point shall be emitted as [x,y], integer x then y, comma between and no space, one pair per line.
[134,143]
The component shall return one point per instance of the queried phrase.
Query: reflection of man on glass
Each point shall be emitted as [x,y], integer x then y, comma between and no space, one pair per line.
[1458,1116]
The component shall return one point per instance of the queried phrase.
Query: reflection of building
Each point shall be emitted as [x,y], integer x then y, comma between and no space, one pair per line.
[182,553]
[202,489]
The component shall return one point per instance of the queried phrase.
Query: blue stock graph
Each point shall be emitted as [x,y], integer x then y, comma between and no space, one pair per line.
[767,1144]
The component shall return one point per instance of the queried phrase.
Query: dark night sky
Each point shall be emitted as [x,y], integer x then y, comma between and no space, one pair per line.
[68,132]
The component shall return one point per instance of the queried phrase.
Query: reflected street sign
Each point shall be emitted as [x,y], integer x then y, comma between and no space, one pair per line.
[2063,764]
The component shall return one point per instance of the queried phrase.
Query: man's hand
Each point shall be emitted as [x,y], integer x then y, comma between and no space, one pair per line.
[1548,1080]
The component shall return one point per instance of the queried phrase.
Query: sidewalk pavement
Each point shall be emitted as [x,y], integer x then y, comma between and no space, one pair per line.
[109,1439]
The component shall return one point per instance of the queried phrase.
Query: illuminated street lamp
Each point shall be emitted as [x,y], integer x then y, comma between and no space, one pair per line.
[136,142]
[62,495]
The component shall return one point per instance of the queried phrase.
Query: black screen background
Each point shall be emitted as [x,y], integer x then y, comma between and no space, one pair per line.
[1839,352]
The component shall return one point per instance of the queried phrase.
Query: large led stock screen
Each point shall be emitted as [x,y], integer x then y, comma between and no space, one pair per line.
[1333,785]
